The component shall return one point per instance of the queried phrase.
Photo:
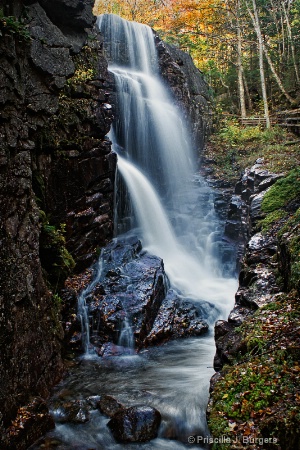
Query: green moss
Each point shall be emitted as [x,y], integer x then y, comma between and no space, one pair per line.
[264,382]
[234,148]
[293,224]
[11,25]
[282,192]
[289,237]
[266,223]
[55,258]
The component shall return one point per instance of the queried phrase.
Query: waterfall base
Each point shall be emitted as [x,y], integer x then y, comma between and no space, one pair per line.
[131,305]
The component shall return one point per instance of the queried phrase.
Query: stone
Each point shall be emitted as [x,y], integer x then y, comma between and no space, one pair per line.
[255,207]
[176,319]
[109,349]
[109,406]
[72,412]
[135,424]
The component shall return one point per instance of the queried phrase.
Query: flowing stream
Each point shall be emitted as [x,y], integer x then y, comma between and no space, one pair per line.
[171,210]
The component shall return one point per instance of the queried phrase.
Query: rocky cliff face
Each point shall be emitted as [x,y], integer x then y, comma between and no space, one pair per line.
[56,185]
[189,88]
[254,394]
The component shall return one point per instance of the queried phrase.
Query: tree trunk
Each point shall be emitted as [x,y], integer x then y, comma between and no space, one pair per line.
[279,82]
[288,25]
[256,25]
[240,73]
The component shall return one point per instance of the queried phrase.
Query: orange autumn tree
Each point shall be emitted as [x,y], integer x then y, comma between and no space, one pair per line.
[143,11]
[198,27]
[186,23]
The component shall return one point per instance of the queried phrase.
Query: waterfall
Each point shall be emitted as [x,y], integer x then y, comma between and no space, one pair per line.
[175,220]
[83,309]
[156,161]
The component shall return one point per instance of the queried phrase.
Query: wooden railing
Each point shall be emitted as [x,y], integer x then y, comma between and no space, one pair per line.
[288,119]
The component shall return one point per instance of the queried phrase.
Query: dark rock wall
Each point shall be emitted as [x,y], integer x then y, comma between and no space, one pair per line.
[257,275]
[54,158]
[189,88]
[56,173]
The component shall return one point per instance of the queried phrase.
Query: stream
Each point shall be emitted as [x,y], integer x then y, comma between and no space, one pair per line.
[171,210]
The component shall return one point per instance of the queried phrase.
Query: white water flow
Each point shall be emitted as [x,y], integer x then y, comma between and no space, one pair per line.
[156,160]
[175,215]
[83,309]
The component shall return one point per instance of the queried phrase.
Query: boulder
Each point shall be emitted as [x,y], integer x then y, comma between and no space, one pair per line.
[176,318]
[135,424]
[109,405]
[76,411]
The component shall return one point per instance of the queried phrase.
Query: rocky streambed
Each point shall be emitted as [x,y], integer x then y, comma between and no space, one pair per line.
[254,399]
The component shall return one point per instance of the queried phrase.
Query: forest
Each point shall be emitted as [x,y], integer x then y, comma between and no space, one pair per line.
[248,49]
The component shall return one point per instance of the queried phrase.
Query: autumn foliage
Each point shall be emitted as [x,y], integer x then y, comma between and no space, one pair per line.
[248,49]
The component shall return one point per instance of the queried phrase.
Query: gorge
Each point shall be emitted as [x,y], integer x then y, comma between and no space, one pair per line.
[111,248]
[168,285]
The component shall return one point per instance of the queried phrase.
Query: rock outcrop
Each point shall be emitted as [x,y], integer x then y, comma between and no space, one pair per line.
[257,280]
[130,304]
[56,185]
[254,394]
[189,88]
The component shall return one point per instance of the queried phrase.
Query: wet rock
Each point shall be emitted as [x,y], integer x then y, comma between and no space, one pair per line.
[238,315]
[135,424]
[176,319]
[31,422]
[232,229]
[109,405]
[228,346]
[257,277]
[133,286]
[93,401]
[42,146]
[222,327]
[255,207]
[109,349]
[214,379]
[75,411]
[269,181]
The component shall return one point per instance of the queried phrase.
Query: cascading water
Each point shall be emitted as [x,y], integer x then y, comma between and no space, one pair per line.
[156,161]
[176,221]
[83,310]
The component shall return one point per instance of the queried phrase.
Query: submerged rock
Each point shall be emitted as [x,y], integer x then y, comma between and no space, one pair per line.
[135,424]
[110,349]
[76,411]
[109,405]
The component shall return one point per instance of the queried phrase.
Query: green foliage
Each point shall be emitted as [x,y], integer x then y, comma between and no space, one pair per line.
[266,223]
[282,192]
[82,75]
[234,147]
[233,134]
[11,25]
[263,382]
[55,258]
